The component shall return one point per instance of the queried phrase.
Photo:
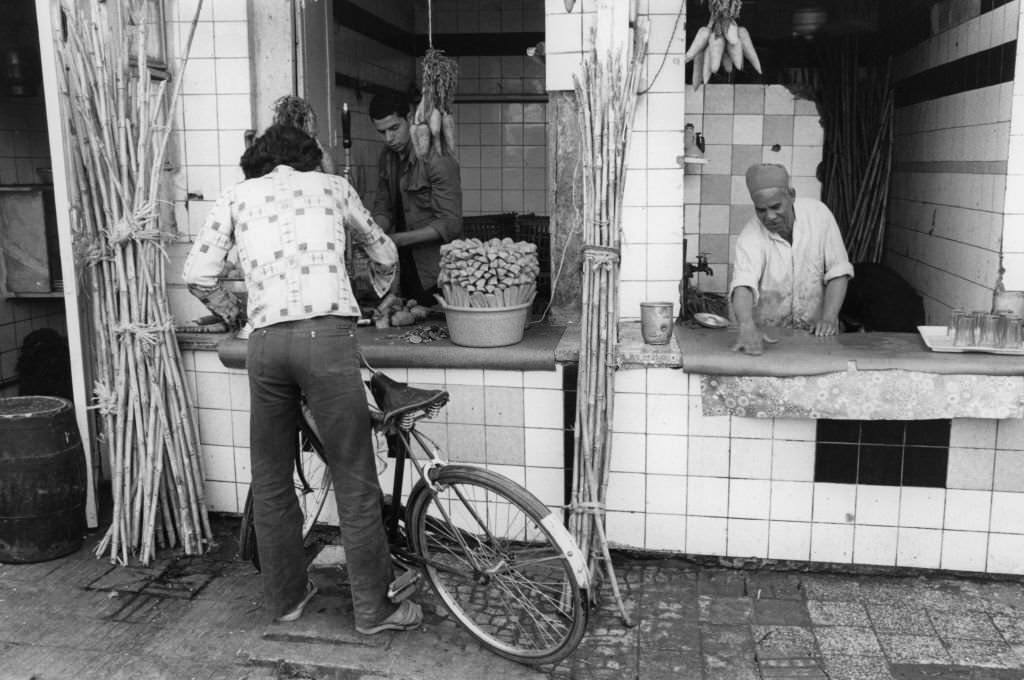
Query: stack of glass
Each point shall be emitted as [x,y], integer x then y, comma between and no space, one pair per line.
[1001,330]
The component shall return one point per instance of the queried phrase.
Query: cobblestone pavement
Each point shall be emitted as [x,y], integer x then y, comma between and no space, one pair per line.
[82,618]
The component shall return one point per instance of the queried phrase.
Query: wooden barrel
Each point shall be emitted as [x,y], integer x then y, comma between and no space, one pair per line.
[42,479]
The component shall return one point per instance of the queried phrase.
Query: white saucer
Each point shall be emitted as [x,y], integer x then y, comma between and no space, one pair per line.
[709,320]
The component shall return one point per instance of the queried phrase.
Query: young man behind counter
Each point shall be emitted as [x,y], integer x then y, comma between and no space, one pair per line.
[418,201]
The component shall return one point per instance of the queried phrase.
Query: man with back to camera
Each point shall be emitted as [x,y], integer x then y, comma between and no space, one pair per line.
[790,267]
[418,201]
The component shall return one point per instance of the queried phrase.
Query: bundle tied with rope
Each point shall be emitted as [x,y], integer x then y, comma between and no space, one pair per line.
[432,128]
[117,126]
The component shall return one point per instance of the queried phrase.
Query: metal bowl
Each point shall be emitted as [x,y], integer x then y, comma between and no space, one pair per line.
[709,320]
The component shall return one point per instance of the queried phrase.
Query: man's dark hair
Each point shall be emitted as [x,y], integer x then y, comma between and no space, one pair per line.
[281,145]
[384,104]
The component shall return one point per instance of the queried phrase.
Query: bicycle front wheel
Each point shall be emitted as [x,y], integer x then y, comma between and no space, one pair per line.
[501,562]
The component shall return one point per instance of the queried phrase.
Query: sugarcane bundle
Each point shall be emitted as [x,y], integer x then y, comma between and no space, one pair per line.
[722,44]
[117,123]
[498,272]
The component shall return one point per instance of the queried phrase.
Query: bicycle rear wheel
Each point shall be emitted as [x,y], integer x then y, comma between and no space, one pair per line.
[501,562]
[313,484]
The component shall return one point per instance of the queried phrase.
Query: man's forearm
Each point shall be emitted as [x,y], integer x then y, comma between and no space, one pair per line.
[411,238]
[835,293]
[743,305]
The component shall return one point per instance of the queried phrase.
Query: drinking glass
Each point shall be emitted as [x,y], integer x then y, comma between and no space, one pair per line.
[963,334]
[954,316]
[989,335]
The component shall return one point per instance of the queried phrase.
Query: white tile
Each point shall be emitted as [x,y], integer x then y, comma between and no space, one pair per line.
[1005,554]
[750,458]
[874,545]
[789,541]
[835,503]
[747,538]
[970,468]
[778,100]
[792,501]
[919,548]
[708,456]
[831,543]
[667,454]
[807,131]
[1010,434]
[547,484]
[748,130]
[1007,512]
[666,494]
[628,452]
[238,388]
[666,381]
[626,492]
[213,390]
[243,466]
[464,376]
[625,529]
[231,39]
[665,110]
[878,505]
[703,425]
[208,362]
[707,496]
[495,378]
[752,428]
[240,428]
[667,414]
[215,427]
[967,510]
[664,532]
[792,460]
[706,535]
[218,463]
[631,380]
[964,550]
[922,507]
[630,413]
[796,429]
[543,408]
[221,496]
[424,376]
[543,379]
[750,498]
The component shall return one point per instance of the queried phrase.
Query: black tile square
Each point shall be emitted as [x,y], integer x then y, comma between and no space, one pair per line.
[882,431]
[880,465]
[836,463]
[928,432]
[925,466]
[842,431]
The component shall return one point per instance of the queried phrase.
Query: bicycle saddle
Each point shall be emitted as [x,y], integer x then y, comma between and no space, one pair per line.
[397,399]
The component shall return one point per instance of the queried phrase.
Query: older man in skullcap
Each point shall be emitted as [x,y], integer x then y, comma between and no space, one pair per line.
[790,267]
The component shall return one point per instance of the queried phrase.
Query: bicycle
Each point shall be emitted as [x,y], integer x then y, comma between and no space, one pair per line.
[500,561]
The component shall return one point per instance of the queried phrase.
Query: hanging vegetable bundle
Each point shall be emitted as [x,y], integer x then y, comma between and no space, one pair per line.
[433,123]
[722,44]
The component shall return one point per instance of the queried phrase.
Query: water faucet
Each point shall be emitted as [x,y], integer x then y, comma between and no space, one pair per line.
[689,269]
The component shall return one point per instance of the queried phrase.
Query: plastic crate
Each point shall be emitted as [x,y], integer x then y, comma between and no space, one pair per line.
[486,227]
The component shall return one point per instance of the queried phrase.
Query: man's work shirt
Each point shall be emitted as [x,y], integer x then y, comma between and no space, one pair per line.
[789,280]
[413,193]
[290,230]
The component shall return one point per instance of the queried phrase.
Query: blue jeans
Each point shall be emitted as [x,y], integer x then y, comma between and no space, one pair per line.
[317,358]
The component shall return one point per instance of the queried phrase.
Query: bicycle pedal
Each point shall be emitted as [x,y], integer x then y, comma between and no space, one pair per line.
[404,586]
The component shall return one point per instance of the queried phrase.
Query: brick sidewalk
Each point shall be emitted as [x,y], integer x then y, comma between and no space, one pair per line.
[82,618]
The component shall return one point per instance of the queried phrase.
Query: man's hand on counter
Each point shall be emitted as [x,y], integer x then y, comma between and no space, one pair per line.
[825,326]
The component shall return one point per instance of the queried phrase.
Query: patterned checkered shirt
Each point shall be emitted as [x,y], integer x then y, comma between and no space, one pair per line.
[290,230]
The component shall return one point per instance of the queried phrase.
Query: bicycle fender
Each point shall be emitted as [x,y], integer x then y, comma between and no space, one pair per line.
[568,545]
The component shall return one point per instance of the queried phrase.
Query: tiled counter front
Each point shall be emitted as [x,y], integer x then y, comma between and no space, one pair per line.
[508,421]
[744,487]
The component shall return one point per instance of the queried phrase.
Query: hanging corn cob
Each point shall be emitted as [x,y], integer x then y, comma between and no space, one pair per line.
[433,123]
[722,44]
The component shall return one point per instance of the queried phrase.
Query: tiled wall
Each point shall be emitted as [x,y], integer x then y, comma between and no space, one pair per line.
[1013,222]
[949,185]
[24,147]
[215,111]
[744,487]
[508,421]
[742,125]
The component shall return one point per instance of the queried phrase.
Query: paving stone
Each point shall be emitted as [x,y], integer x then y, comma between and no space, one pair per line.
[844,667]
[900,619]
[722,583]
[831,587]
[726,639]
[914,649]
[791,669]
[665,666]
[775,585]
[725,610]
[847,640]
[964,625]
[930,672]
[837,613]
[781,612]
[1011,627]
[985,653]
[784,642]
